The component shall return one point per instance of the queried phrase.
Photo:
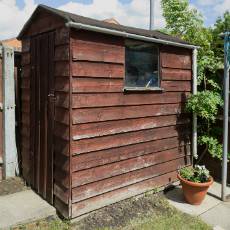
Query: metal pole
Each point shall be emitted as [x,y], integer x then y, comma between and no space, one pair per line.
[225,123]
[152,7]
[194,91]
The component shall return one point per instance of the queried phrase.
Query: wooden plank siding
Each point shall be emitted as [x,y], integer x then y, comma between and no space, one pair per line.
[62,191]
[122,144]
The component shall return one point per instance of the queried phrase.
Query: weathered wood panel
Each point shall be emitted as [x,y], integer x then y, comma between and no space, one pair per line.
[98,52]
[62,187]
[62,99]
[25,45]
[175,86]
[43,22]
[62,53]
[90,130]
[25,59]
[97,202]
[62,69]
[178,58]
[102,157]
[176,74]
[119,99]
[25,95]
[94,85]
[62,84]
[102,85]
[26,71]
[61,207]
[87,115]
[97,69]
[126,179]
[116,140]
[94,38]
[61,193]
[25,84]
[110,170]
[62,115]
[62,36]
[61,130]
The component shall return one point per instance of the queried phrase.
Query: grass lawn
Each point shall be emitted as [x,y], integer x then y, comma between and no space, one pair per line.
[148,212]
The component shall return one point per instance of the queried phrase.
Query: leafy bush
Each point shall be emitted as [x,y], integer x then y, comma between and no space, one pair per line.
[205,104]
[198,174]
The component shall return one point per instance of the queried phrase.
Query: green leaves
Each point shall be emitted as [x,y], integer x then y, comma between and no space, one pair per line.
[181,20]
[214,147]
[205,104]
[198,174]
[186,22]
[222,25]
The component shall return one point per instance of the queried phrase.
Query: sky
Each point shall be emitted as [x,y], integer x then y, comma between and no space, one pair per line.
[14,13]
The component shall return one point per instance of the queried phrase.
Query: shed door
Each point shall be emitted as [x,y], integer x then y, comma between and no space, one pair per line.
[42,114]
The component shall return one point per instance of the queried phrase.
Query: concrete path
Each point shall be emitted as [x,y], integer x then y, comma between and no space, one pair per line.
[213,211]
[23,207]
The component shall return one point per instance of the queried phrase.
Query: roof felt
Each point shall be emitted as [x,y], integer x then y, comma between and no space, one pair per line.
[69,17]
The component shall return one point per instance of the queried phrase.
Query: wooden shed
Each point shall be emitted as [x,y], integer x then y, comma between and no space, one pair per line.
[102,110]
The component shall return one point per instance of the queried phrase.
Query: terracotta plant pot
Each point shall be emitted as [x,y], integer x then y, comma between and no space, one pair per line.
[194,193]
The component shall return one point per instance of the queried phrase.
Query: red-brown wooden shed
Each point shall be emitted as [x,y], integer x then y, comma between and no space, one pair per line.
[102,110]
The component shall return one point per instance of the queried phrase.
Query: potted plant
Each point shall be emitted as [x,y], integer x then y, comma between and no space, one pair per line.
[195,183]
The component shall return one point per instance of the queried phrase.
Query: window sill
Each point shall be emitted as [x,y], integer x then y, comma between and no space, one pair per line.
[156,89]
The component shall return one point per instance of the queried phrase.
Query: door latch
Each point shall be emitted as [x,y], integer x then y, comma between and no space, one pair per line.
[52,96]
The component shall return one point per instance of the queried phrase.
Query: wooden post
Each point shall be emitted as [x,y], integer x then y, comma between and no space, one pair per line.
[9,139]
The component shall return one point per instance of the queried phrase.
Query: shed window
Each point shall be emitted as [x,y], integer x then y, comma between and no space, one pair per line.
[141,65]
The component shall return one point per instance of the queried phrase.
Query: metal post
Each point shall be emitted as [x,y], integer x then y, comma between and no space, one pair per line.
[225,123]
[152,7]
[194,91]
[9,139]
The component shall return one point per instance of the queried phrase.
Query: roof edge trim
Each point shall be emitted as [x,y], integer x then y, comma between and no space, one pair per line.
[127,35]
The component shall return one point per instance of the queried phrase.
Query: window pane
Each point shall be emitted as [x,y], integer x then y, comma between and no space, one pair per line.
[141,65]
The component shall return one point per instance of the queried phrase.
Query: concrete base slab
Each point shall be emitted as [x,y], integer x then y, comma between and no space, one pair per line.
[213,211]
[176,198]
[23,207]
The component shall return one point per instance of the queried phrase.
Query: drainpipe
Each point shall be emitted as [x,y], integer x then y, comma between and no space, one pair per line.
[226,108]
[194,91]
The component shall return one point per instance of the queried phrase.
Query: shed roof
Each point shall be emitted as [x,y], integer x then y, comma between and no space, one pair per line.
[69,17]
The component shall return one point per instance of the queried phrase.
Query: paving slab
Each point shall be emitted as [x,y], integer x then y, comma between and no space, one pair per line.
[23,207]
[218,216]
[212,210]
[176,198]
